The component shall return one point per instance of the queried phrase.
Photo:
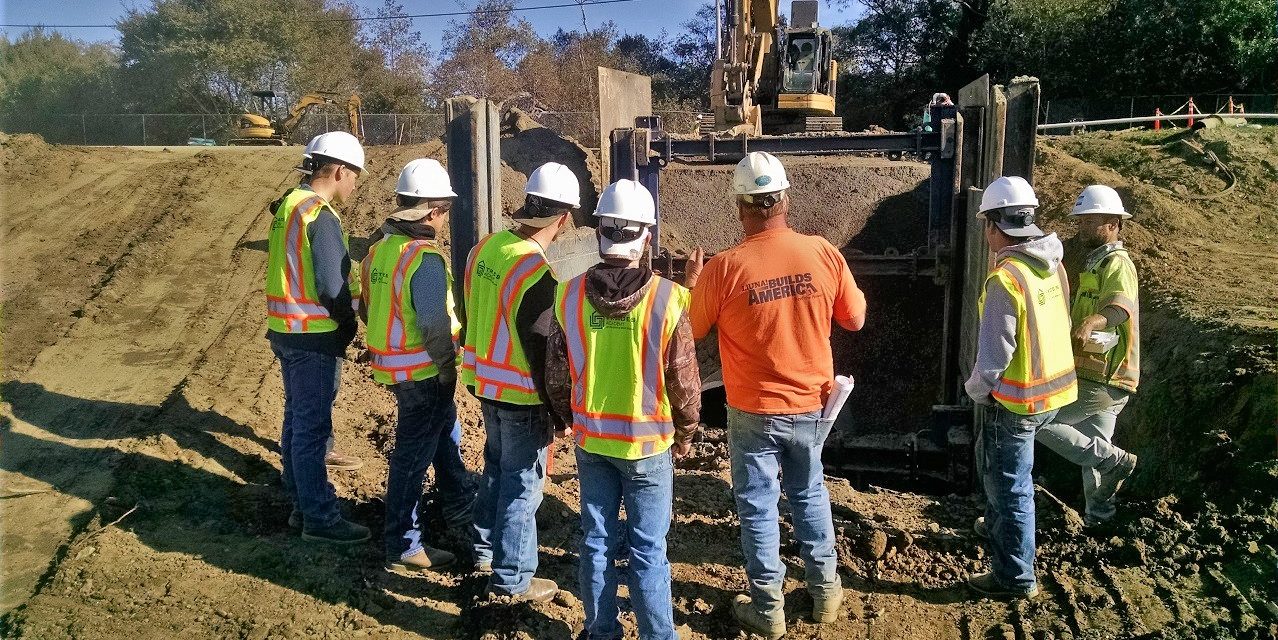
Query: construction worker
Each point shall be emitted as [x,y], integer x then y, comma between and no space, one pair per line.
[773,297]
[1106,302]
[333,459]
[1024,373]
[508,286]
[311,320]
[412,340]
[622,362]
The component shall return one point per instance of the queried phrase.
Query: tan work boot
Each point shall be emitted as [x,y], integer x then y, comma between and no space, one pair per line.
[754,622]
[338,461]
[426,558]
[825,607]
[540,590]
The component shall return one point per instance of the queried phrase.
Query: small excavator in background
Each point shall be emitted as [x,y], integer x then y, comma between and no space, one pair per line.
[769,78]
[258,130]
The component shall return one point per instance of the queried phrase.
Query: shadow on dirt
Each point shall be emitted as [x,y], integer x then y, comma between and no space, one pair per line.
[189,504]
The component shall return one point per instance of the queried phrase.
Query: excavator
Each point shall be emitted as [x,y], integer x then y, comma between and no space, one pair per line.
[773,79]
[258,130]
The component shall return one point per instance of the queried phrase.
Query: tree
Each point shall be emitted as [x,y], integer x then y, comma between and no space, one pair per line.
[45,74]
[480,53]
[693,54]
[396,76]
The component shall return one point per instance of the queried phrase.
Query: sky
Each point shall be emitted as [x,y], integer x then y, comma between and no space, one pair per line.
[649,17]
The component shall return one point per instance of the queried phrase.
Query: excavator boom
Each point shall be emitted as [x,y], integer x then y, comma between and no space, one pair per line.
[258,130]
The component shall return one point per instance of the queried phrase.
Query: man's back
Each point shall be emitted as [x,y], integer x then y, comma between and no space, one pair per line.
[773,297]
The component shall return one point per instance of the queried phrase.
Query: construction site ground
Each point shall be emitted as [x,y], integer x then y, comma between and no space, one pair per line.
[139,469]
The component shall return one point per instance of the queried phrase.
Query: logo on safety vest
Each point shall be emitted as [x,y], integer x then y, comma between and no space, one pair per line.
[597,322]
[484,271]
[1042,298]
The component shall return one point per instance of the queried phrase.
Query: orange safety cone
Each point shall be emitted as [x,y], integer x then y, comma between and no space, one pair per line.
[1158,124]
[1191,114]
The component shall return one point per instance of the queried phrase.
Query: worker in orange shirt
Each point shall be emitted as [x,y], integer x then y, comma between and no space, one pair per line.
[773,297]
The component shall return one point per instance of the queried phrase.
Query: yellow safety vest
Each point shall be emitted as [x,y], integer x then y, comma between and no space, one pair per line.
[499,271]
[1040,377]
[394,340]
[1110,279]
[619,403]
[292,300]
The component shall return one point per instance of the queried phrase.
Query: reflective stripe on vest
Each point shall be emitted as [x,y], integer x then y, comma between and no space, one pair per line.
[1041,375]
[619,402]
[499,271]
[292,300]
[394,340]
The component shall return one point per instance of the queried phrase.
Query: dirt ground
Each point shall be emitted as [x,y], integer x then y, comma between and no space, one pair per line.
[139,473]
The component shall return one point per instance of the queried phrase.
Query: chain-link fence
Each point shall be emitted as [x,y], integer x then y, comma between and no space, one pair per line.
[1078,109]
[378,128]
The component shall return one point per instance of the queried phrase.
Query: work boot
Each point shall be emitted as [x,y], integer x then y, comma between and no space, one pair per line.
[980,528]
[341,532]
[754,622]
[825,607]
[425,558]
[987,585]
[295,520]
[540,590]
[484,566]
[337,461]
[1111,481]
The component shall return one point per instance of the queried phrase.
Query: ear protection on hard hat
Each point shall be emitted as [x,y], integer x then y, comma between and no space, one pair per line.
[539,207]
[765,200]
[1021,217]
[622,234]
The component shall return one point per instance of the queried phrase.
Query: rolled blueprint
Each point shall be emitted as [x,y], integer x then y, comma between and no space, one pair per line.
[839,395]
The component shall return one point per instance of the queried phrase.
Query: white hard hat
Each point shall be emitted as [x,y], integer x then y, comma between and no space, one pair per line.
[627,200]
[1099,198]
[424,178]
[759,172]
[1009,202]
[340,146]
[625,211]
[554,181]
[310,147]
[1008,191]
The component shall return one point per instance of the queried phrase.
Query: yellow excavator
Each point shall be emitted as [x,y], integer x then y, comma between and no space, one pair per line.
[773,79]
[255,129]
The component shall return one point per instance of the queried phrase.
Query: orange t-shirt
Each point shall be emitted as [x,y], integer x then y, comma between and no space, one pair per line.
[773,297]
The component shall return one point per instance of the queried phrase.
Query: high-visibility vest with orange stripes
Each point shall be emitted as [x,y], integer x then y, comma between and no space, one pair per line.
[499,271]
[292,299]
[619,403]
[394,340]
[1041,375]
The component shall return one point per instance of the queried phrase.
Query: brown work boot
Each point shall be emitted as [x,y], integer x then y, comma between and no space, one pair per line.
[754,622]
[337,461]
[825,607]
[426,558]
[540,590]
[988,585]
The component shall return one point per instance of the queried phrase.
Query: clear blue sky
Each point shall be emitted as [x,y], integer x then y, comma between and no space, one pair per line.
[641,16]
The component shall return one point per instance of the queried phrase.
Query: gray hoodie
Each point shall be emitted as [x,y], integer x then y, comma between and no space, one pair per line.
[996,339]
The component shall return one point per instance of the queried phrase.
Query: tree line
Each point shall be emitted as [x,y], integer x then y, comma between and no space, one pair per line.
[207,56]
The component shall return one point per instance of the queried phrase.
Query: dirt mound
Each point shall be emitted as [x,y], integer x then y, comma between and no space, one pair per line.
[1204,417]
[862,204]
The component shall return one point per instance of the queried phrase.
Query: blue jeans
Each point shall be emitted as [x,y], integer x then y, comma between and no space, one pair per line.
[426,414]
[452,480]
[311,381]
[763,447]
[646,486]
[505,516]
[1007,447]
